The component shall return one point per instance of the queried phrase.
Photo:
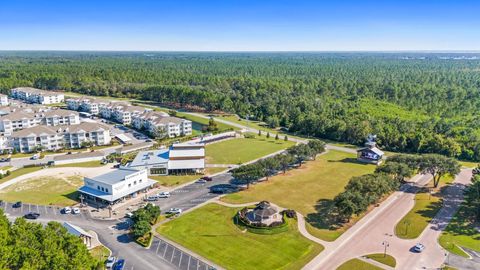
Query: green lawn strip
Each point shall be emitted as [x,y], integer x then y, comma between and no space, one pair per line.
[356,264]
[6,168]
[461,232]
[18,172]
[379,257]
[309,189]
[175,180]
[211,232]
[86,164]
[204,121]
[44,191]
[238,151]
[469,164]
[417,219]
[100,253]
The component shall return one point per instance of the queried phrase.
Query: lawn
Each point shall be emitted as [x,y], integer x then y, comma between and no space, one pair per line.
[425,208]
[60,191]
[379,257]
[18,172]
[100,253]
[94,163]
[460,233]
[238,151]
[309,189]
[175,180]
[417,219]
[210,232]
[356,264]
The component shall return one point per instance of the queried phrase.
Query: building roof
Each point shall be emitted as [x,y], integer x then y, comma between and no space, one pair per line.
[186,164]
[122,137]
[168,119]
[79,156]
[34,132]
[115,176]
[187,150]
[75,230]
[32,90]
[152,157]
[264,209]
[85,127]
[373,149]
[59,113]
[17,115]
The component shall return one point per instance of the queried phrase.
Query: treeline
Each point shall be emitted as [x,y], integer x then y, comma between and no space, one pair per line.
[28,245]
[264,168]
[363,191]
[418,103]
[472,200]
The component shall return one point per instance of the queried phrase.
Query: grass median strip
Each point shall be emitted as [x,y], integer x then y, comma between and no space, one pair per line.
[211,232]
[381,258]
[357,264]
[19,172]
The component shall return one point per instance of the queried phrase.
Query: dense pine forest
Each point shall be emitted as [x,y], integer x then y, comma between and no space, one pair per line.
[414,102]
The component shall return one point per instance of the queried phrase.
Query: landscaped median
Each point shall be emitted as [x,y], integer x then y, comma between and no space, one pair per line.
[211,232]
[357,264]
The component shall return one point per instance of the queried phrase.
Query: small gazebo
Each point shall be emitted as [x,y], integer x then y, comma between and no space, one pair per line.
[264,213]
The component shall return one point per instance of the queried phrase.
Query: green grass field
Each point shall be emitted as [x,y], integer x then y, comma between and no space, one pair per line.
[87,164]
[100,253]
[460,233]
[175,180]
[417,219]
[18,172]
[60,191]
[210,232]
[238,151]
[379,257]
[309,189]
[356,264]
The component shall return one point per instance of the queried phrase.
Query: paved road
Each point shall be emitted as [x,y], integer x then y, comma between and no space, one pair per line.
[367,235]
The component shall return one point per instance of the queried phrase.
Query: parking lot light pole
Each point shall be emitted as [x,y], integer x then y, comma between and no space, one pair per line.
[385,245]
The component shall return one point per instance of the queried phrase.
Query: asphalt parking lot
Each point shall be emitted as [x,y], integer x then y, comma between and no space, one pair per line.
[177,257]
[45,211]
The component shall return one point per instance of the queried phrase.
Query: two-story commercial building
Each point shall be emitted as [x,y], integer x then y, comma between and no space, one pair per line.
[116,185]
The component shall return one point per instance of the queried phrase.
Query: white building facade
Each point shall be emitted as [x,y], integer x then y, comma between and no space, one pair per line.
[34,95]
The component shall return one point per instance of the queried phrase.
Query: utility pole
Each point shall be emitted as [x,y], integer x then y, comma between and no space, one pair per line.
[385,245]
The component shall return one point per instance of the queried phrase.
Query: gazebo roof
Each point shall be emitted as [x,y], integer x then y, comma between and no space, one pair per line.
[264,209]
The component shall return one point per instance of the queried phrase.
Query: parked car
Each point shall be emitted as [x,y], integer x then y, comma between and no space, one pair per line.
[164,194]
[67,210]
[419,248]
[476,170]
[17,205]
[207,178]
[201,181]
[31,215]
[152,198]
[148,140]
[34,157]
[110,262]
[75,211]
[129,215]
[119,265]
[174,211]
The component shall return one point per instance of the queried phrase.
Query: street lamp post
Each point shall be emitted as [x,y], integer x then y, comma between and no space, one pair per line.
[385,245]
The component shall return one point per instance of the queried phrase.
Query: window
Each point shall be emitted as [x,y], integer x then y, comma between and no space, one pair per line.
[98,187]
[106,190]
[140,181]
[134,182]
[102,189]
[129,185]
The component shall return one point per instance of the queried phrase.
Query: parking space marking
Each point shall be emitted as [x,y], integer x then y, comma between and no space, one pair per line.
[181,256]
[188,265]
[173,253]
[158,246]
[38,209]
[165,252]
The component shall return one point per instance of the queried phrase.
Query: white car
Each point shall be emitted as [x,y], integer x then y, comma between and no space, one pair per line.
[75,211]
[164,194]
[129,215]
[152,198]
[67,210]
[419,248]
[174,211]
[110,262]
[201,181]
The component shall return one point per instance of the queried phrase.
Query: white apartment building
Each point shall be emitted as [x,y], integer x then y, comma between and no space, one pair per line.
[22,119]
[3,100]
[55,138]
[89,105]
[34,95]
[114,186]
[159,124]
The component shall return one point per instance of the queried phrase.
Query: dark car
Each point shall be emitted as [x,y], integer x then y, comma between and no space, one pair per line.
[223,188]
[31,215]
[207,178]
[119,265]
[17,205]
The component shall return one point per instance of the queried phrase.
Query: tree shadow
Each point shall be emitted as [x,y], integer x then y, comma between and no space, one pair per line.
[350,160]
[325,216]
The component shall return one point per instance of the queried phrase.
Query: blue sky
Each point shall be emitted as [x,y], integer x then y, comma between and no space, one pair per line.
[231,25]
